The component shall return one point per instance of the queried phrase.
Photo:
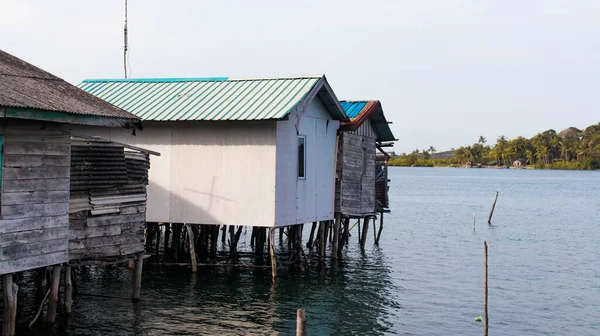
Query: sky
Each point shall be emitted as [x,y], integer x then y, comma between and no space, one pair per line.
[445,71]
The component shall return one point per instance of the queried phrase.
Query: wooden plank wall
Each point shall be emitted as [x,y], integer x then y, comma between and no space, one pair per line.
[35,196]
[107,219]
[355,188]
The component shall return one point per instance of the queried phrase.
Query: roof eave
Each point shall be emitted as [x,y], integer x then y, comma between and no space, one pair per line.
[70,118]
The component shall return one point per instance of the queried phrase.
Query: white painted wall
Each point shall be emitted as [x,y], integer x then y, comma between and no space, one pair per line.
[311,199]
[208,172]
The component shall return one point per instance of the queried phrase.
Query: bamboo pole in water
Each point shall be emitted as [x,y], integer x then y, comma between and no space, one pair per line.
[365,228]
[380,228]
[485,289]
[300,323]
[10,305]
[336,237]
[493,207]
[272,253]
[137,277]
[188,227]
[68,290]
[53,301]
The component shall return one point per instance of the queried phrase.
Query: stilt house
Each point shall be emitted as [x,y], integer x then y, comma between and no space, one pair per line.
[37,111]
[362,181]
[253,152]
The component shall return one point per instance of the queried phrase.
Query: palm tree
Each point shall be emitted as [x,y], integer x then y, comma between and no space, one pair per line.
[432,150]
[482,140]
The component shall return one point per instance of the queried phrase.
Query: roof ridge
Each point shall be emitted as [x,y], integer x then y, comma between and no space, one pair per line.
[193,79]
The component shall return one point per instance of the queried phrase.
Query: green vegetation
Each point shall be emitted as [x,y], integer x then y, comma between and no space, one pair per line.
[569,149]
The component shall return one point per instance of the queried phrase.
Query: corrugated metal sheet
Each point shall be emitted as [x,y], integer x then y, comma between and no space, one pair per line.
[177,99]
[361,111]
[23,85]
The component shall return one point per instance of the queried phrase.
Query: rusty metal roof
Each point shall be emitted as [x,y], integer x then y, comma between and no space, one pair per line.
[220,98]
[23,85]
[363,110]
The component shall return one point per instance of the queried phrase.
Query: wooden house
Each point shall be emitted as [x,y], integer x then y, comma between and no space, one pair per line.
[361,170]
[251,152]
[37,112]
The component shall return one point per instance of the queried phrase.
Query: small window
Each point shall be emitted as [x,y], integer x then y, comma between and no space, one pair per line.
[301,157]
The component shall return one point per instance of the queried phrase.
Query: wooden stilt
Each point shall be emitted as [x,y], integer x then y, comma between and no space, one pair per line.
[166,238]
[336,237]
[330,232]
[253,237]
[224,235]
[272,253]
[309,244]
[174,251]
[365,230]
[322,240]
[232,243]
[137,277]
[359,231]
[190,233]
[214,238]
[300,323]
[10,290]
[281,236]
[158,232]
[485,289]
[493,207]
[374,230]
[149,236]
[53,299]
[380,228]
[346,230]
[40,285]
[68,290]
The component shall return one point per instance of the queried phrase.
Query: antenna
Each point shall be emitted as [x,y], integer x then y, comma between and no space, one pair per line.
[125,42]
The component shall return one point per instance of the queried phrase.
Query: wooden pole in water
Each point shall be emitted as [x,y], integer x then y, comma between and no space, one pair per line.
[485,289]
[137,277]
[190,233]
[336,237]
[365,230]
[53,300]
[346,230]
[68,290]
[10,305]
[224,234]
[167,236]
[272,253]
[359,231]
[309,244]
[380,228]
[300,323]
[493,207]
[322,240]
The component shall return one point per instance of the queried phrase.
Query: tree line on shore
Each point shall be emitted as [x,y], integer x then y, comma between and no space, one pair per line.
[571,148]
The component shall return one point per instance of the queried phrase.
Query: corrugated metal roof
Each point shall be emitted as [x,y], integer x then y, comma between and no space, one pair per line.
[23,85]
[360,111]
[220,98]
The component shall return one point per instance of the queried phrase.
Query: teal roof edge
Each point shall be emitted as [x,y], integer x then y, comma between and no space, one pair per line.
[156,80]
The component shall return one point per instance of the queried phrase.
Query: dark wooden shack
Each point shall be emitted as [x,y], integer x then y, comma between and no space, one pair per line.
[362,181]
[37,110]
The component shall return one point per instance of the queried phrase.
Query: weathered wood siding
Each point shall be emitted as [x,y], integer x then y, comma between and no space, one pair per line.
[107,209]
[35,196]
[355,185]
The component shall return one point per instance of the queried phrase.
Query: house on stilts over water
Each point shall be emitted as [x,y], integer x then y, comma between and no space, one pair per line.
[42,167]
[362,166]
[254,152]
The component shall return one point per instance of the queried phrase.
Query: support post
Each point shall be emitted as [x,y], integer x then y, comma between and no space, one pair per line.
[365,230]
[137,277]
[68,291]
[485,289]
[359,231]
[214,238]
[322,240]
[190,233]
[272,253]
[336,237]
[10,305]
[224,235]
[309,244]
[167,236]
[380,228]
[300,323]
[493,207]
[158,239]
[53,299]
[346,230]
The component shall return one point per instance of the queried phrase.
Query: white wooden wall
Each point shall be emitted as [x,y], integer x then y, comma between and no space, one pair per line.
[208,172]
[311,199]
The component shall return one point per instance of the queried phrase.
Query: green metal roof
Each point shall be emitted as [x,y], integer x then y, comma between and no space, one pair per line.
[219,98]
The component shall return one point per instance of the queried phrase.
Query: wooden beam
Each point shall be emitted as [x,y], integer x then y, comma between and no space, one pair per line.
[137,277]
[53,300]
[10,305]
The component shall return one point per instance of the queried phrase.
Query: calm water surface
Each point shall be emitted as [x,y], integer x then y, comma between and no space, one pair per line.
[425,278]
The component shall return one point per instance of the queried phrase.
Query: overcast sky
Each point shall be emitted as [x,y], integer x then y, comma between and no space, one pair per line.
[445,71]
